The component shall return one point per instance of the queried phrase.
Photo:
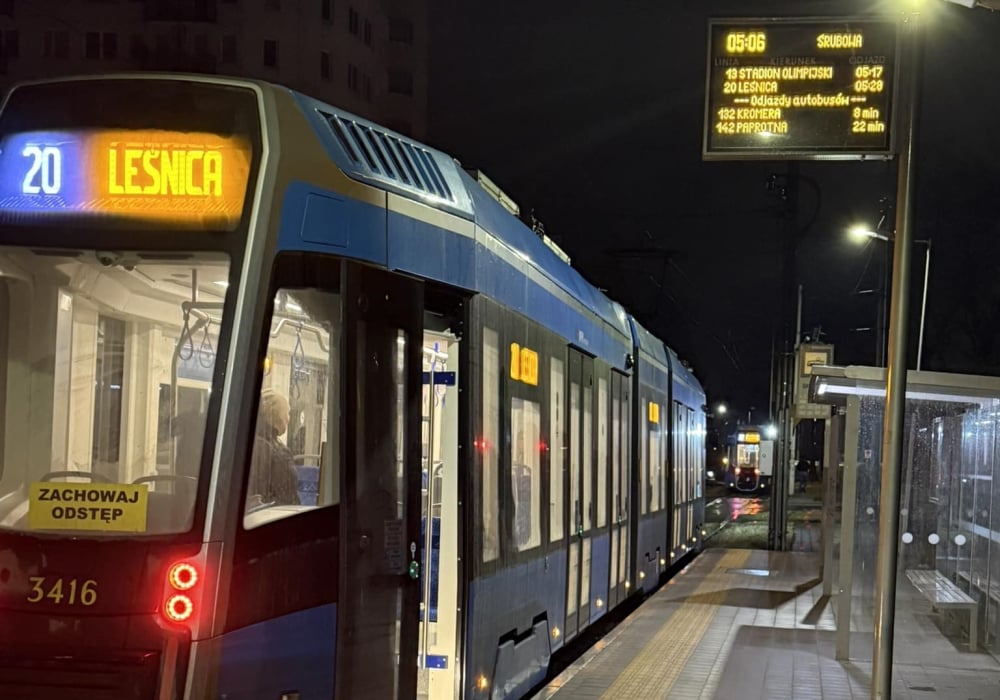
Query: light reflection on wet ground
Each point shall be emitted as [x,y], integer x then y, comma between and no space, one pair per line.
[739,522]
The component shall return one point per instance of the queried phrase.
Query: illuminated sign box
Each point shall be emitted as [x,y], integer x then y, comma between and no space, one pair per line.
[177,179]
[800,89]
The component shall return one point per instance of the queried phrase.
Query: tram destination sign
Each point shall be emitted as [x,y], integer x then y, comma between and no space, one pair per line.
[797,89]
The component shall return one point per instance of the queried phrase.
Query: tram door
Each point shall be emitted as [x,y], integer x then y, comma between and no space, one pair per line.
[377,618]
[438,641]
[581,472]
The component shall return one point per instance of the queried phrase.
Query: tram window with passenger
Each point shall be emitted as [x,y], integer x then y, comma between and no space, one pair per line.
[295,446]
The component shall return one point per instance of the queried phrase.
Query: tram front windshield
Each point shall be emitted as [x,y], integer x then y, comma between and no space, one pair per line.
[746,456]
[106,368]
[113,195]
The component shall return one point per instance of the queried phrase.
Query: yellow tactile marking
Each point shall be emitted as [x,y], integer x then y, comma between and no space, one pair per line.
[653,671]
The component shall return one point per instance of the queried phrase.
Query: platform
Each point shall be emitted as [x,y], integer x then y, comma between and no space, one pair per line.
[750,624]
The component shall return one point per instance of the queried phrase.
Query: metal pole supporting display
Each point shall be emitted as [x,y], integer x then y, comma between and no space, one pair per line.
[895,396]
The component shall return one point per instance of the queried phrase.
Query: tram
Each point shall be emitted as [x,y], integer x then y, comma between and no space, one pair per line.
[751,460]
[293,407]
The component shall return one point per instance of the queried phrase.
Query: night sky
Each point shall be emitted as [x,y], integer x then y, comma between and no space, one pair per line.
[591,113]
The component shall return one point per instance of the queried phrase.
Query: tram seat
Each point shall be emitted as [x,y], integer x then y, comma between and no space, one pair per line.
[169,512]
[308,483]
[435,562]
[522,515]
[14,508]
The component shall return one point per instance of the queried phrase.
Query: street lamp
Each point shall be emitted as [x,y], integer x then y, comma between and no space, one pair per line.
[862,233]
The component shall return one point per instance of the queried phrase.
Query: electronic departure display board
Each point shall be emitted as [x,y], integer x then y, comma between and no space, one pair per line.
[784,89]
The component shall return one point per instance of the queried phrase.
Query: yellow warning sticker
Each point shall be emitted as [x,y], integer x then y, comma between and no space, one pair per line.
[105,507]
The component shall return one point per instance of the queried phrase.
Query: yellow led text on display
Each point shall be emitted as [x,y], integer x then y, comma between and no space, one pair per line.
[102,507]
[654,412]
[183,177]
[840,41]
[746,42]
[523,365]
[165,171]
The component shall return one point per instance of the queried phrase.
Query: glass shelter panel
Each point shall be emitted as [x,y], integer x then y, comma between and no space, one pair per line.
[948,575]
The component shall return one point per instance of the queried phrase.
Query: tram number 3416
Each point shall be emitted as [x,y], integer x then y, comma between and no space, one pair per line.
[45,171]
[71,591]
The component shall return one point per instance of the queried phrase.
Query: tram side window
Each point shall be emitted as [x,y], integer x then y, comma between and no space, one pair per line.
[644,488]
[626,460]
[526,482]
[294,461]
[588,462]
[695,453]
[602,452]
[489,443]
[681,454]
[557,457]
[655,468]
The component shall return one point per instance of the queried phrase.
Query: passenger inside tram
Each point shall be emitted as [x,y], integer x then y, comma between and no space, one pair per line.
[291,469]
[273,479]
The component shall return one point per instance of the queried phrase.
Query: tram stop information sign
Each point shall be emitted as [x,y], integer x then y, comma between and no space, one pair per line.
[800,89]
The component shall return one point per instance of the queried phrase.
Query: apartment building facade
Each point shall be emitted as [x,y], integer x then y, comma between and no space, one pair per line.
[367,56]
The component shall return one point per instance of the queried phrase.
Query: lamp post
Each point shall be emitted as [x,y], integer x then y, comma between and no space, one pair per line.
[863,233]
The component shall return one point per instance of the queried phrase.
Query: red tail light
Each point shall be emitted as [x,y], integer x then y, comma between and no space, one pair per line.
[179,594]
[178,608]
[182,576]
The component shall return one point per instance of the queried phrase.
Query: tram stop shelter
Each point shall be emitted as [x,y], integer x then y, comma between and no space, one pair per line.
[948,580]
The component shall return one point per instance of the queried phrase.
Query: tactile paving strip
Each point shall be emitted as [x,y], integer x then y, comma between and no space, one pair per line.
[653,671]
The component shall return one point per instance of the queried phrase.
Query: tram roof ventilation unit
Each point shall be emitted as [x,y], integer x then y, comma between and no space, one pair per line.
[494,191]
[389,157]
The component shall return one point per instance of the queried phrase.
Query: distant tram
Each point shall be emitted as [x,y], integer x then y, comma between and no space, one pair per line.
[292,406]
[751,460]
